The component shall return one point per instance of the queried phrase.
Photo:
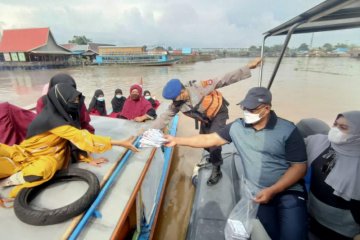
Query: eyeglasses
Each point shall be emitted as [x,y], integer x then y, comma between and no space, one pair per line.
[253,110]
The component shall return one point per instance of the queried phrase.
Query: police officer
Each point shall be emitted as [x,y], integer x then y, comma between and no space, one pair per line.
[201,100]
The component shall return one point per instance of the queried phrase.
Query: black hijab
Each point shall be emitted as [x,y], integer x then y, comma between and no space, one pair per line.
[151,100]
[57,112]
[117,103]
[60,78]
[98,105]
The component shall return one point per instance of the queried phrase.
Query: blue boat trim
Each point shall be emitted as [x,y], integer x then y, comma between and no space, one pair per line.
[90,212]
[146,228]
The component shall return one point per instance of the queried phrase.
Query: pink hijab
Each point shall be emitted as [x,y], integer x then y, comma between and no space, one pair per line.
[132,108]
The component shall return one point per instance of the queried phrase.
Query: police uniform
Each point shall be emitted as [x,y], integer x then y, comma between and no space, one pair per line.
[205,104]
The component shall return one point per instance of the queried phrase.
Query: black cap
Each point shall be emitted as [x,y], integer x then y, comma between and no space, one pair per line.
[255,97]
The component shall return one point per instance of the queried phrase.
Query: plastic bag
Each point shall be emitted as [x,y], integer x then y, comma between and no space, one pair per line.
[240,222]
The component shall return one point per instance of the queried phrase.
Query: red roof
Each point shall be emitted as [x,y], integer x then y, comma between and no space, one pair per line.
[23,40]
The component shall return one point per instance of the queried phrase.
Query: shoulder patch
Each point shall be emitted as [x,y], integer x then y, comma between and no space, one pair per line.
[206,83]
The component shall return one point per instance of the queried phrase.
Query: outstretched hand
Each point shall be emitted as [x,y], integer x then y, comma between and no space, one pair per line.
[141,118]
[254,63]
[170,141]
[128,144]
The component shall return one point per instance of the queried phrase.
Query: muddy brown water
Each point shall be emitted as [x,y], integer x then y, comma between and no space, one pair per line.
[304,87]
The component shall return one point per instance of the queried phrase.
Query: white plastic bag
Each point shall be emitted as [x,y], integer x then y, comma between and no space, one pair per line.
[240,222]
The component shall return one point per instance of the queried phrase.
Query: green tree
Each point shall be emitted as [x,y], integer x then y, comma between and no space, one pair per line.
[253,49]
[159,48]
[266,49]
[328,47]
[278,48]
[81,40]
[303,47]
[341,45]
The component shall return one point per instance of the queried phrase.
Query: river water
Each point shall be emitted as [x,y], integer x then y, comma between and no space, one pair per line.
[304,87]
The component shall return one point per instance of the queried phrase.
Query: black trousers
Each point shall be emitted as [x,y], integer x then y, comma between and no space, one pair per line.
[218,122]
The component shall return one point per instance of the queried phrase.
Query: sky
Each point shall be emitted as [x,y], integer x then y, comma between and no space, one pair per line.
[174,23]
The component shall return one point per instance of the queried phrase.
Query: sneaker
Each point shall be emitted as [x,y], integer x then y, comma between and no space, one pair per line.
[215,176]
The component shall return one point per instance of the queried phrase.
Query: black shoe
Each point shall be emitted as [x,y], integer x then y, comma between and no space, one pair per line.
[215,176]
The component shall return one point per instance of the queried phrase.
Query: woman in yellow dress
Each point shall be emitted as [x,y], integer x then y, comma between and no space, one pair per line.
[53,134]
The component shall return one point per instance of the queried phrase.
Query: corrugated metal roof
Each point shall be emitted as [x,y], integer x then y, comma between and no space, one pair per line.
[23,40]
[68,46]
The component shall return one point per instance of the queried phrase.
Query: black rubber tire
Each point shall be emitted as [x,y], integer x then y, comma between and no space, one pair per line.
[37,217]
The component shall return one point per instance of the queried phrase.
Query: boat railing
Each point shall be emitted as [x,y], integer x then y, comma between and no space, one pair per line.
[92,211]
[146,230]
[134,53]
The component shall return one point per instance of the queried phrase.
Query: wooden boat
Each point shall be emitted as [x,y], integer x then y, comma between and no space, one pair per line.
[128,203]
[139,59]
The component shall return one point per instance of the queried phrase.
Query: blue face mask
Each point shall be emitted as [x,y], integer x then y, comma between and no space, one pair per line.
[101,99]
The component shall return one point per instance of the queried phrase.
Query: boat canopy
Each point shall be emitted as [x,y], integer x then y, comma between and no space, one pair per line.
[327,16]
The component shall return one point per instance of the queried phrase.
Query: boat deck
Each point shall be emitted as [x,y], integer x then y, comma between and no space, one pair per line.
[114,204]
[213,204]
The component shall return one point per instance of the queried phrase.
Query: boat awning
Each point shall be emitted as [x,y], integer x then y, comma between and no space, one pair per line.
[327,16]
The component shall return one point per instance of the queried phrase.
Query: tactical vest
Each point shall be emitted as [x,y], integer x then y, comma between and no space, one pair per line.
[211,103]
[207,108]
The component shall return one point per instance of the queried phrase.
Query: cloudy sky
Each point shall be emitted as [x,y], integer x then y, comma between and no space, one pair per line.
[175,23]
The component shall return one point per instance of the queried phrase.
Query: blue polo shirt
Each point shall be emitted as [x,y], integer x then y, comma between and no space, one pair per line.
[268,153]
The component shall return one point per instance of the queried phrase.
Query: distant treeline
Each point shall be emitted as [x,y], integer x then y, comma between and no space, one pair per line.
[303,47]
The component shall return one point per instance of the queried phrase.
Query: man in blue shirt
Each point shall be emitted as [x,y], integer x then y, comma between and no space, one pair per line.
[274,158]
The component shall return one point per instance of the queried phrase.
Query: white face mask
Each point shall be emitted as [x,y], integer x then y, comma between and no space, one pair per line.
[118,95]
[101,99]
[337,136]
[147,97]
[251,118]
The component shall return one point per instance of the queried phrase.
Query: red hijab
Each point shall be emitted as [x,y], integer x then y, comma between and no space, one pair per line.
[135,108]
